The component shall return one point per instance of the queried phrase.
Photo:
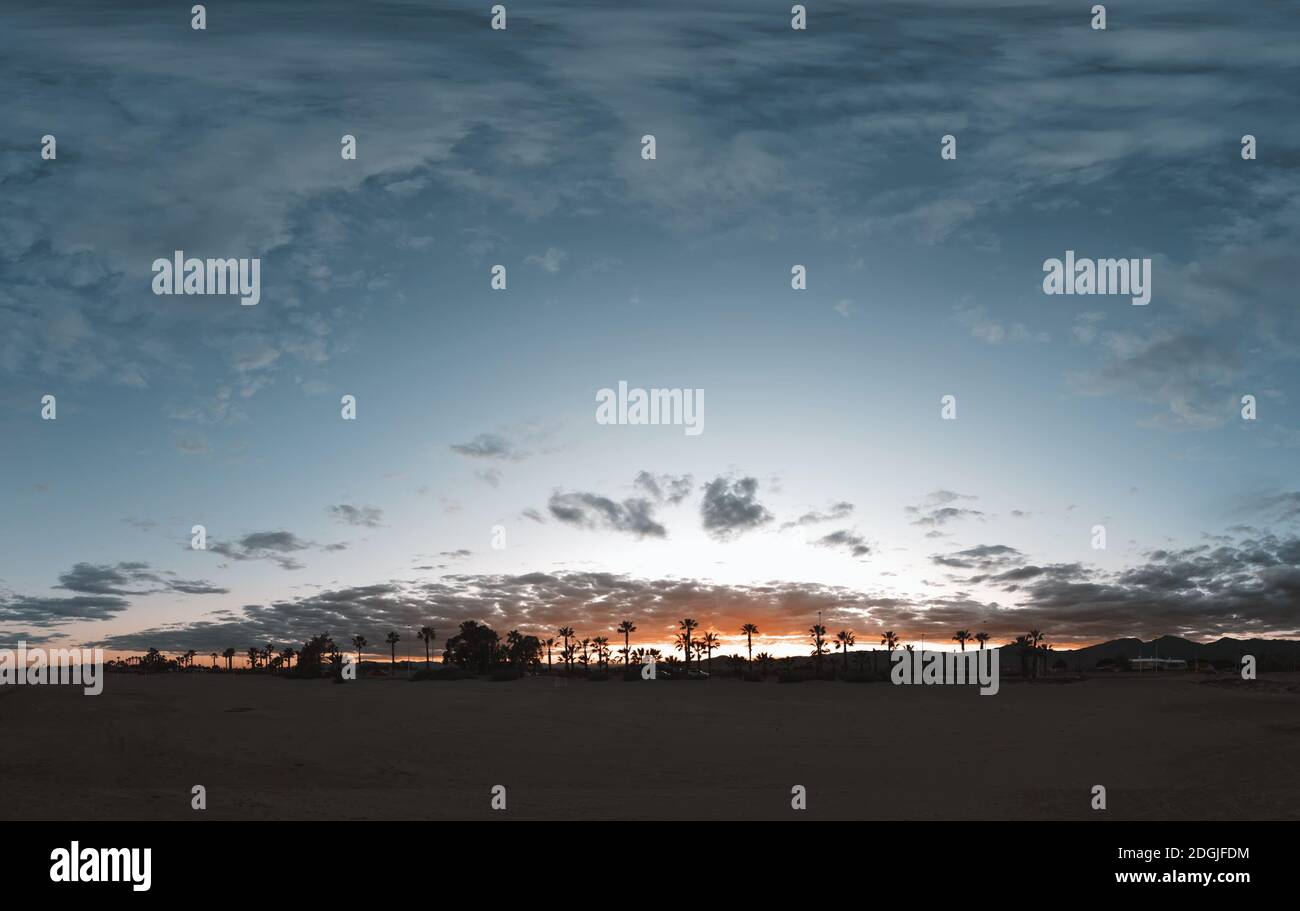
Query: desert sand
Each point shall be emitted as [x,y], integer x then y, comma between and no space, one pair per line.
[1166,746]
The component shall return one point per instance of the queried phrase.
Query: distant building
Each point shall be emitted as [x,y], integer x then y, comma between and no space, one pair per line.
[1157,664]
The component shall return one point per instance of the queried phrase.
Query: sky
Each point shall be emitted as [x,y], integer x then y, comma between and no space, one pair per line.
[825,478]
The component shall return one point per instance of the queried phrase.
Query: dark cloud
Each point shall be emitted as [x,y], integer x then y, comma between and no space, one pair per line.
[984,556]
[836,511]
[45,612]
[364,516]
[488,446]
[854,542]
[589,510]
[665,488]
[935,509]
[275,546]
[731,507]
[129,579]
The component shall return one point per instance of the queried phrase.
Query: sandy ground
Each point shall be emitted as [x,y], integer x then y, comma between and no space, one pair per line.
[1164,746]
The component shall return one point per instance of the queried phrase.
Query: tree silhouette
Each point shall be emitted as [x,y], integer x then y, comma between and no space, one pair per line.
[253,655]
[627,629]
[818,634]
[844,639]
[214,660]
[564,633]
[601,644]
[709,643]
[684,639]
[981,638]
[750,631]
[961,637]
[764,662]
[287,657]
[890,642]
[229,655]
[358,642]
[428,634]
[549,643]
[392,639]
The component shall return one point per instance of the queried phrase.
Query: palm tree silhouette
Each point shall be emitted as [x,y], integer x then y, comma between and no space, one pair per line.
[764,661]
[750,631]
[392,639]
[627,629]
[818,634]
[549,643]
[1035,641]
[253,655]
[709,643]
[890,642]
[288,655]
[229,655]
[961,637]
[844,639]
[428,634]
[214,660]
[359,642]
[565,632]
[981,638]
[602,650]
[684,641]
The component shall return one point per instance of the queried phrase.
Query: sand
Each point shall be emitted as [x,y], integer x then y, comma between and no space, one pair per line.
[1164,746]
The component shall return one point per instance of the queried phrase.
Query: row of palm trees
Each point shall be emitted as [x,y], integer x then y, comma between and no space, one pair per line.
[572,650]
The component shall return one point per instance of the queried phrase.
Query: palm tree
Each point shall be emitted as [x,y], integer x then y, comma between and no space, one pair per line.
[602,650]
[565,632]
[961,637]
[253,655]
[549,643]
[428,634]
[764,662]
[750,631]
[627,629]
[359,642]
[189,658]
[687,627]
[710,642]
[818,634]
[1035,640]
[229,655]
[844,639]
[214,660]
[288,656]
[890,642]
[392,639]
[981,638]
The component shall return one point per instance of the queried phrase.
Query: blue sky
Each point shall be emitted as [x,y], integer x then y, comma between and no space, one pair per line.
[476,407]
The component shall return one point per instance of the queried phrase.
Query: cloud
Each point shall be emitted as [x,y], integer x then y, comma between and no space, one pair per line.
[274,546]
[549,261]
[363,516]
[933,511]
[841,510]
[46,612]
[131,578]
[731,507]
[852,541]
[982,327]
[589,510]
[984,556]
[488,446]
[665,488]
